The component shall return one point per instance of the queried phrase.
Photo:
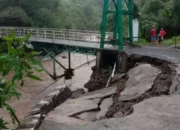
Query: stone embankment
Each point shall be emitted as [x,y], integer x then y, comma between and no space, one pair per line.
[38,113]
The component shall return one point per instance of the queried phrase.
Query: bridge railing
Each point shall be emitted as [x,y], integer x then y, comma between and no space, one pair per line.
[55,34]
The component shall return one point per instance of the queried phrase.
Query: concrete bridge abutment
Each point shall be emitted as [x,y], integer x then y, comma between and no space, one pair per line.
[105,59]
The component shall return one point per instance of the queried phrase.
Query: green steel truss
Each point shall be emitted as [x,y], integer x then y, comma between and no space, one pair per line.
[121,7]
[52,50]
[58,48]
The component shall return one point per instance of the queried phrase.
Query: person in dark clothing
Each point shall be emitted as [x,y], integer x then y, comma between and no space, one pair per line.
[161,35]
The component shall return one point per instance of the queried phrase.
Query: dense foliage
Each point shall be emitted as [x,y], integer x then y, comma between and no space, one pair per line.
[161,14]
[69,14]
[21,64]
[80,14]
[86,14]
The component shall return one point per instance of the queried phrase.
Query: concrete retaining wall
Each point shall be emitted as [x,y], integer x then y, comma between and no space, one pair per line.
[38,113]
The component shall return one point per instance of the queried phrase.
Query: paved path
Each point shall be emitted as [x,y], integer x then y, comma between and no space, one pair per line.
[168,54]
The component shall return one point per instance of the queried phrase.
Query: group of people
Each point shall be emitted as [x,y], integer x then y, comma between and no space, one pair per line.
[154,36]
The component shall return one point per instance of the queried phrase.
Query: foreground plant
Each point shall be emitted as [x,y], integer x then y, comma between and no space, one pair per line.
[19,60]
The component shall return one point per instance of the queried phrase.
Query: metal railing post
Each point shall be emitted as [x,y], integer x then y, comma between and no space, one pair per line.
[90,37]
[79,38]
[36,35]
[64,35]
[44,33]
[53,34]
[20,32]
[0,33]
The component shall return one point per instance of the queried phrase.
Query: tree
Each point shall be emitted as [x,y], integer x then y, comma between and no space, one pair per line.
[162,13]
[19,60]
[14,15]
[70,14]
[176,12]
[136,14]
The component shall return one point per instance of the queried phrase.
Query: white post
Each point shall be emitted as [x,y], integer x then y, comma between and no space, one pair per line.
[135,29]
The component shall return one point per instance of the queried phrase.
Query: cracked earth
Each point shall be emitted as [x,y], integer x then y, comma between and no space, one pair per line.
[146,97]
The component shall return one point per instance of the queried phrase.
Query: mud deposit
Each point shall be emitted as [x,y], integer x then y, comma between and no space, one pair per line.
[77,93]
[120,106]
[98,79]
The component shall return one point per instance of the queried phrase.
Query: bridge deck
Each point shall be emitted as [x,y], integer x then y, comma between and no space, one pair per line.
[73,38]
[84,39]
[93,45]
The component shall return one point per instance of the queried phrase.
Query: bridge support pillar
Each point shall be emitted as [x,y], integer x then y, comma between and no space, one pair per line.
[98,59]
[121,61]
[69,72]
[69,59]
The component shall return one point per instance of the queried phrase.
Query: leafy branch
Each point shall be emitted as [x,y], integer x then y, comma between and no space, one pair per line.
[20,61]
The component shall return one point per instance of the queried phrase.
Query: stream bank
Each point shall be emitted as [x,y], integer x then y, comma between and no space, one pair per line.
[146,78]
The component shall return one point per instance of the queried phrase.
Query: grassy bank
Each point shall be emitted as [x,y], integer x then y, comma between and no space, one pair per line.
[166,42]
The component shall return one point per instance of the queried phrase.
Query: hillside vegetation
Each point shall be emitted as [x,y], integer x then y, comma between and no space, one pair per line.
[86,14]
[161,14]
[80,14]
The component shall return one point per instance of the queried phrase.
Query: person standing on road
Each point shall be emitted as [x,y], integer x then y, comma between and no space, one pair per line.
[153,34]
[161,35]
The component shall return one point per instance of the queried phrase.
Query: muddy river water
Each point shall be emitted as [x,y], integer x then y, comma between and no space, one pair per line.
[147,81]
[34,91]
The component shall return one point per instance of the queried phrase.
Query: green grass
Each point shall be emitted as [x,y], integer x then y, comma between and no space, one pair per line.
[166,42]
[171,41]
[141,41]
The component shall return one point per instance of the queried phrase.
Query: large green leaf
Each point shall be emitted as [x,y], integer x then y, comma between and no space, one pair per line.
[3,124]
[34,77]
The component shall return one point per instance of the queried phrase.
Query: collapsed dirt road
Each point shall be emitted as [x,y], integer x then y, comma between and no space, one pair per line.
[148,82]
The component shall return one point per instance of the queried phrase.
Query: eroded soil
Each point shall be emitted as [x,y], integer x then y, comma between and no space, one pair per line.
[120,108]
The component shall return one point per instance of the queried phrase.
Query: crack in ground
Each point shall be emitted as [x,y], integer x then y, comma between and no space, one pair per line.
[78,113]
[161,86]
[92,110]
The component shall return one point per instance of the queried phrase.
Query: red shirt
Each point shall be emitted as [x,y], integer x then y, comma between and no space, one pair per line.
[162,33]
[153,32]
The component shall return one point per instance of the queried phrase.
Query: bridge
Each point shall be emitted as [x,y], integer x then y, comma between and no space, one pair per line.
[81,41]
[58,40]
[54,41]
